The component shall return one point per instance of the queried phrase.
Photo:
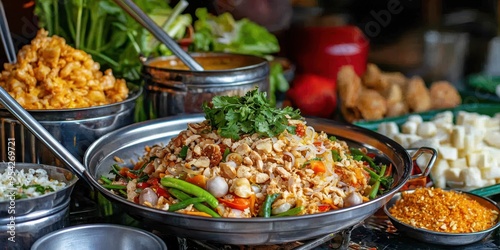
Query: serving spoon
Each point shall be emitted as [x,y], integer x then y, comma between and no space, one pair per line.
[136,13]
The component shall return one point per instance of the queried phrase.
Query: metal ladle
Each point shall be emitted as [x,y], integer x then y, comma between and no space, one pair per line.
[135,12]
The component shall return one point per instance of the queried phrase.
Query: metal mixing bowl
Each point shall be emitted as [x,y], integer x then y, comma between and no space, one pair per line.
[37,207]
[100,236]
[441,238]
[172,90]
[75,129]
[24,230]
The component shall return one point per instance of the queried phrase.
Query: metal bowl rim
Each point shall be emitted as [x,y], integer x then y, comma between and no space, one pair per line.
[76,228]
[263,62]
[136,92]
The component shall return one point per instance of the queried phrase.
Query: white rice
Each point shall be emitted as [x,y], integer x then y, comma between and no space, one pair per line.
[22,184]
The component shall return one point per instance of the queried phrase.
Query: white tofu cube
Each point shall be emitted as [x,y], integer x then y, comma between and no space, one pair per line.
[490,173]
[452,175]
[426,129]
[409,127]
[439,167]
[457,137]
[458,163]
[388,129]
[473,159]
[415,118]
[443,117]
[471,176]
[493,139]
[448,152]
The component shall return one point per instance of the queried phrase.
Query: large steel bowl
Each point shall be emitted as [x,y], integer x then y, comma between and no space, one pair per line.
[128,143]
[75,129]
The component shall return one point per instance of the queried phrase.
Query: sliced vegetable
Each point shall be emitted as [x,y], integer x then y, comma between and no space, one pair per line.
[190,189]
[198,180]
[336,155]
[236,202]
[364,157]
[199,206]
[265,209]
[106,180]
[185,203]
[183,152]
[111,186]
[291,212]
[378,179]
[317,166]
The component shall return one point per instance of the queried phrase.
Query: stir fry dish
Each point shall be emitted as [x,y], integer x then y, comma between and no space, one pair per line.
[249,159]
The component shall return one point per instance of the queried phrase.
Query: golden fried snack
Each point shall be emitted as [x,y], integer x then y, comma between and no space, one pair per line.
[396,109]
[349,86]
[393,94]
[371,105]
[372,78]
[395,78]
[350,114]
[417,95]
[49,74]
[444,95]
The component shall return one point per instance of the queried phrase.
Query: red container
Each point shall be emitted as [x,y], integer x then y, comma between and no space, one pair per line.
[323,50]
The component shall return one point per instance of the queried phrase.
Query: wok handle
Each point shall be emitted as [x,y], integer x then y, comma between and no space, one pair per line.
[42,134]
[430,163]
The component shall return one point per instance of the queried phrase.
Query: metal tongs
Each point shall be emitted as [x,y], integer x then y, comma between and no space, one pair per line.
[135,12]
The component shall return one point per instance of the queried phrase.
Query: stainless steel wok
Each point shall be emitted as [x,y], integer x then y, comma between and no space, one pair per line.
[129,142]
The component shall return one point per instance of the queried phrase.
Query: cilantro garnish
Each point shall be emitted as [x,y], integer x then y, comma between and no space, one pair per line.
[252,113]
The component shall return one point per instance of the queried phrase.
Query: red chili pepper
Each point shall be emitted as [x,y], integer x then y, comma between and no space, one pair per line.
[162,192]
[124,171]
[153,181]
[142,185]
[300,130]
[324,208]
[136,199]
[236,202]
[131,175]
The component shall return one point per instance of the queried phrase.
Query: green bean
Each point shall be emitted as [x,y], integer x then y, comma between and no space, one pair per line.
[111,186]
[106,180]
[199,206]
[190,189]
[291,212]
[265,210]
[183,152]
[185,203]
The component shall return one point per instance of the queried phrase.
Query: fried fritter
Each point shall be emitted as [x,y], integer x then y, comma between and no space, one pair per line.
[372,78]
[396,109]
[444,95]
[371,105]
[417,95]
[348,86]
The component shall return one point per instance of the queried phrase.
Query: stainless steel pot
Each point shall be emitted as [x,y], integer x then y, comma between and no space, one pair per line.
[174,91]
[29,228]
[37,207]
[75,129]
[128,143]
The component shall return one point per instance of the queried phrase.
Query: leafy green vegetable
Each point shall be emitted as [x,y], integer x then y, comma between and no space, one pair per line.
[277,82]
[183,152]
[251,113]
[102,29]
[224,34]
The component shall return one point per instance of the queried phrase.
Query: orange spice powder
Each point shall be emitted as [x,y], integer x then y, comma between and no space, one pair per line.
[443,211]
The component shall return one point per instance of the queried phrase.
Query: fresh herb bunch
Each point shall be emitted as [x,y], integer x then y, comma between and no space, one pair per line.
[248,114]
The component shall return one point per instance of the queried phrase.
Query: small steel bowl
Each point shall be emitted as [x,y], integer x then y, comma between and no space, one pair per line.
[99,236]
[441,238]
